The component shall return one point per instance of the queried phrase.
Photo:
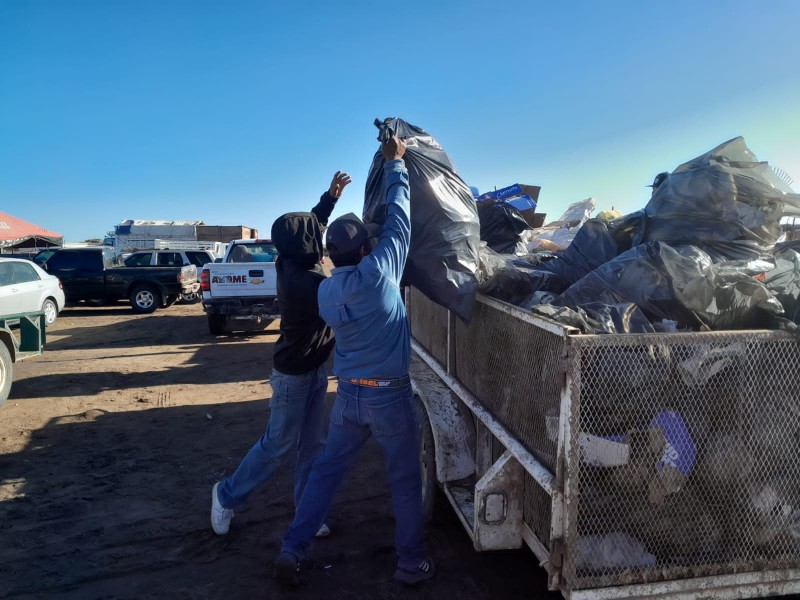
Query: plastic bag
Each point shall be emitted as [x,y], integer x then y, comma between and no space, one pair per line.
[647,276]
[727,296]
[595,244]
[724,195]
[558,235]
[576,214]
[501,225]
[595,317]
[784,282]
[445,230]
[508,278]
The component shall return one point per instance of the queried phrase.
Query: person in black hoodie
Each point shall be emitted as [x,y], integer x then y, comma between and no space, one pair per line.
[299,380]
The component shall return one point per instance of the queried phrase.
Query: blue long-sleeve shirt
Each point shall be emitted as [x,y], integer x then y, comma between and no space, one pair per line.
[362,303]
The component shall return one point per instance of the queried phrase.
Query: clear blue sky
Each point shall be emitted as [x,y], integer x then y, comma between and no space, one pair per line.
[235,112]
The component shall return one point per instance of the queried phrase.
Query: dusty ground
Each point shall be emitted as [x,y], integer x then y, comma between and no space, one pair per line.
[109,445]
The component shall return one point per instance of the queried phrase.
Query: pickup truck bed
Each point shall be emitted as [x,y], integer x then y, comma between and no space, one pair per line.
[242,288]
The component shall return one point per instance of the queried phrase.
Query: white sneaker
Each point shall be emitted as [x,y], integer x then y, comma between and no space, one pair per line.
[324,531]
[220,516]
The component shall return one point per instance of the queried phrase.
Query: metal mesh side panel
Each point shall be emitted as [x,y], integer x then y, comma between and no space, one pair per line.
[428,323]
[708,427]
[537,509]
[513,368]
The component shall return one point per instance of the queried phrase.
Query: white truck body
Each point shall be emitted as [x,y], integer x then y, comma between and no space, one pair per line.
[243,287]
[217,249]
[633,466]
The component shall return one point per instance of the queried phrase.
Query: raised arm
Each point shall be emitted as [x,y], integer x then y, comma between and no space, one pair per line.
[392,249]
[327,201]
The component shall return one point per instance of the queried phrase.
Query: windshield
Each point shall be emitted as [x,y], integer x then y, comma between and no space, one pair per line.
[42,257]
[258,252]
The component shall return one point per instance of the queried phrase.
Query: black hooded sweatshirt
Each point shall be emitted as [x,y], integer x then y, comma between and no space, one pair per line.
[305,341]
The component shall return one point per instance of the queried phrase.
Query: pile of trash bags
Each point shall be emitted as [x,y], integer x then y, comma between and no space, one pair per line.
[701,255]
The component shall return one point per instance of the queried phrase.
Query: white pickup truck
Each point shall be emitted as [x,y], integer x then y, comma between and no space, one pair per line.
[242,288]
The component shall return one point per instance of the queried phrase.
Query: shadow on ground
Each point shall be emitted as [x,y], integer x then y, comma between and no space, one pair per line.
[115,505]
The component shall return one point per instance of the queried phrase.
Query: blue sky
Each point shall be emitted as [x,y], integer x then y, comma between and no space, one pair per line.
[235,112]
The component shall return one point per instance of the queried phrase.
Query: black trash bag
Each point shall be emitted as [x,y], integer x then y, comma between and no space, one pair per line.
[512,280]
[724,195]
[738,250]
[501,225]
[596,243]
[729,295]
[595,317]
[784,282]
[647,276]
[445,231]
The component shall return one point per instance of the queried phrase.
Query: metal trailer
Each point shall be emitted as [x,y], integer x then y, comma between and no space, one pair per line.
[21,336]
[540,435]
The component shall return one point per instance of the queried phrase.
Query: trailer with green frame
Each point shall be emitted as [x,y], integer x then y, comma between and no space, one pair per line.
[21,336]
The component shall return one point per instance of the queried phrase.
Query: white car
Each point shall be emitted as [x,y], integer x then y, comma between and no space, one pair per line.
[25,287]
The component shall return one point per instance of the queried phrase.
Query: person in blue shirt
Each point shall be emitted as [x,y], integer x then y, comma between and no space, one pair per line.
[361,302]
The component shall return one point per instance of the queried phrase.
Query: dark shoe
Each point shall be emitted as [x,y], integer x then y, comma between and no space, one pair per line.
[425,570]
[286,569]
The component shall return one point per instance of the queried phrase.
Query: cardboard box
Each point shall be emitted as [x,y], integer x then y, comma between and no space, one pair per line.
[522,197]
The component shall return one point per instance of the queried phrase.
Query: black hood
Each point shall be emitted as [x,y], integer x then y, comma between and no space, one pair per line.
[298,238]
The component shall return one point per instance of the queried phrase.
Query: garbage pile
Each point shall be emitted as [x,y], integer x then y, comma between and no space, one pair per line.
[699,256]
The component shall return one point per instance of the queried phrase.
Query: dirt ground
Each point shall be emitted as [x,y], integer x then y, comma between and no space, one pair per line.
[110,443]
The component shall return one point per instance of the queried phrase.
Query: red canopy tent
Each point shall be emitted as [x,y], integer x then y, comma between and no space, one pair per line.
[16,233]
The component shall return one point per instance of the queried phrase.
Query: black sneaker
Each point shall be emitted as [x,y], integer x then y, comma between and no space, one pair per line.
[286,569]
[424,571]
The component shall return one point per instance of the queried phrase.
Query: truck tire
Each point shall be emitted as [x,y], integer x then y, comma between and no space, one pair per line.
[427,460]
[144,299]
[216,324]
[190,298]
[6,372]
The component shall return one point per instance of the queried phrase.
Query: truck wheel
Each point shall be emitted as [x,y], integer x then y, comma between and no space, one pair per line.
[144,299]
[6,372]
[427,459]
[216,324]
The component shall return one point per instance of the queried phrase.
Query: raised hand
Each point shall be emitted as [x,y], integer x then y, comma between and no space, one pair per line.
[393,148]
[338,183]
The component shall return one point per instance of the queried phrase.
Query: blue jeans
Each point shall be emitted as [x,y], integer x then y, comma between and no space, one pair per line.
[296,421]
[358,412]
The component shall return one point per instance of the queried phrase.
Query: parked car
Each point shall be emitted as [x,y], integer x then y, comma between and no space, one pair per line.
[25,288]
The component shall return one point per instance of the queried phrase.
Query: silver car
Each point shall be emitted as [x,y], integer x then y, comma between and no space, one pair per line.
[25,287]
